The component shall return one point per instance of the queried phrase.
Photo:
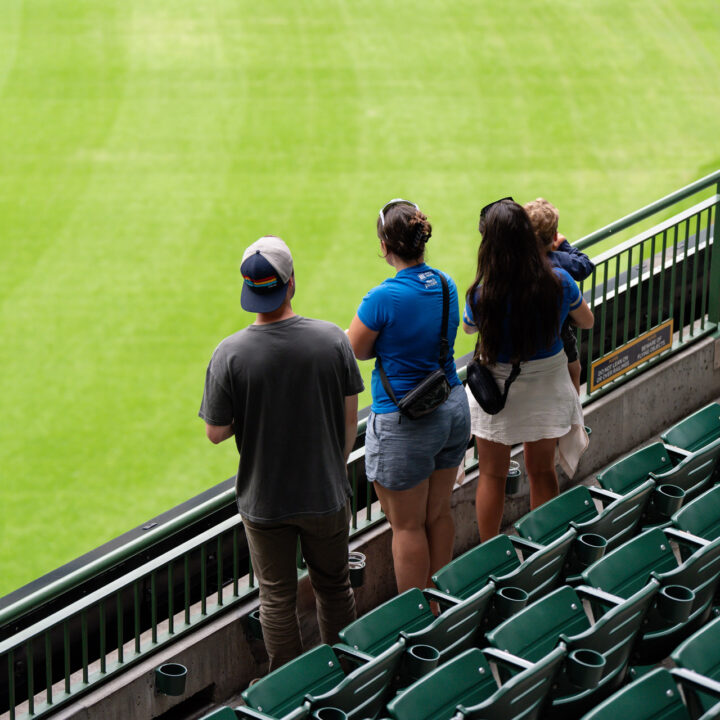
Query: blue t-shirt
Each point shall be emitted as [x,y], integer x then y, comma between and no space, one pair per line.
[406,311]
[571,300]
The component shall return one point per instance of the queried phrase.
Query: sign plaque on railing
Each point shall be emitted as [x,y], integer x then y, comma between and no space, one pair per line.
[642,348]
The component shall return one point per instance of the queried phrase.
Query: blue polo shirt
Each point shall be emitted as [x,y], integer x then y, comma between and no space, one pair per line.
[571,300]
[406,311]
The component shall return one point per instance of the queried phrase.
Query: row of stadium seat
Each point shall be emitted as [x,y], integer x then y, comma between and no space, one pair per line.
[605,592]
[655,695]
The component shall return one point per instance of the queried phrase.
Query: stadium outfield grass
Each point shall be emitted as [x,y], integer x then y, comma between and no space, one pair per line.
[145,143]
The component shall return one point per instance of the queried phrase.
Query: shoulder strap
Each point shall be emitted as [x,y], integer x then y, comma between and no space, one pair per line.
[444,345]
[511,377]
[510,380]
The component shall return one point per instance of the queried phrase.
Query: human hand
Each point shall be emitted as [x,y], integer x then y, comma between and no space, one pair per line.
[558,241]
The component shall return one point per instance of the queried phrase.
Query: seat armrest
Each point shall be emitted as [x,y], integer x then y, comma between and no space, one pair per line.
[525,545]
[357,657]
[685,538]
[444,600]
[243,712]
[697,681]
[679,453]
[605,496]
[505,658]
[591,593]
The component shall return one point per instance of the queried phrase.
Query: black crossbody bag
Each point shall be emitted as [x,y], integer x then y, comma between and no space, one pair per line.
[433,390]
[484,387]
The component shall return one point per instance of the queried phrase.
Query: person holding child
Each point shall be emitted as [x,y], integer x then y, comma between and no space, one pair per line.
[412,463]
[518,303]
[544,217]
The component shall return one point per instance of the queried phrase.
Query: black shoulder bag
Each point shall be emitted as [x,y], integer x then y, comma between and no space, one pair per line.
[484,387]
[433,390]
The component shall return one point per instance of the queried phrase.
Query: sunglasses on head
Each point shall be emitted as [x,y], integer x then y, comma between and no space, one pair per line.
[484,211]
[392,203]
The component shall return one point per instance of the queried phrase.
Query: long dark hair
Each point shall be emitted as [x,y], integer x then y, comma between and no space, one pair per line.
[513,278]
[405,232]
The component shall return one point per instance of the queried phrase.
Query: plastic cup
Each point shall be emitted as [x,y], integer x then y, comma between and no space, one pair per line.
[356,561]
[512,483]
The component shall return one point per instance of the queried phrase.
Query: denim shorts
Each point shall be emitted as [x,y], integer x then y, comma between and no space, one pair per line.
[400,453]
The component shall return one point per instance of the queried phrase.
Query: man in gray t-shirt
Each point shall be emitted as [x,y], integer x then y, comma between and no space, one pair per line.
[286,388]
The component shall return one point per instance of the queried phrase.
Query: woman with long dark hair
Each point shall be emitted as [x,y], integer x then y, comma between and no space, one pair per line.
[412,462]
[518,303]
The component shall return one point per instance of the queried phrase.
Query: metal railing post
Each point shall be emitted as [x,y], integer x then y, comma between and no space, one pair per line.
[714,299]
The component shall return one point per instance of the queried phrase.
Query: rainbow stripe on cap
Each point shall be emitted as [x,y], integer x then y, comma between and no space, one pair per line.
[267,282]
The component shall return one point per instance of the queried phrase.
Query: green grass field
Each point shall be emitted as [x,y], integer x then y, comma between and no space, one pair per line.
[145,143]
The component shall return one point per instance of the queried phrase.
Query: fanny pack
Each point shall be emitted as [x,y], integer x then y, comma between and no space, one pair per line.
[484,387]
[433,390]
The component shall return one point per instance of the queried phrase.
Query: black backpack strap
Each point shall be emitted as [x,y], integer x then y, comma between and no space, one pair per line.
[444,345]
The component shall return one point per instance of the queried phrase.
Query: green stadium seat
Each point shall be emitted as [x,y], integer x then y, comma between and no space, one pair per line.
[616,522]
[695,473]
[560,617]
[246,713]
[696,431]
[409,615]
[317,679]
[627,569]
[464,687]
[497,560]
[657,463]
[701,516]
[701,654]
[635,469]
[223,713]
[655,696]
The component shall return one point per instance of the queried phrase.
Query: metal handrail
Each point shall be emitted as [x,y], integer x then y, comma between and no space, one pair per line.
[646,212]
[115,557]
[226,497]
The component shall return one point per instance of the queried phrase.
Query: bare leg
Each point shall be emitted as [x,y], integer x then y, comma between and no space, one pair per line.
[574,370]
[406,511]
[439,523]
[494,462]
[540,466]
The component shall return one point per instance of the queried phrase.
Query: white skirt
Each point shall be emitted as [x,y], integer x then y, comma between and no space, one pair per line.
[541,403]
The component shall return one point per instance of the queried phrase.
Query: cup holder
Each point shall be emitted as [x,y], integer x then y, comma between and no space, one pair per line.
[585,668]
[419,660]
[170,678]
[589,547]
[329,713]
[668,499]
[674,603]
[509,600]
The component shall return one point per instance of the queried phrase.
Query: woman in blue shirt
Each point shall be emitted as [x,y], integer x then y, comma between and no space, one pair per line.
[518,303]
[412,463]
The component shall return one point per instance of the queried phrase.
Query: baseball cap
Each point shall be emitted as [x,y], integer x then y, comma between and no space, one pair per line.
[266,268]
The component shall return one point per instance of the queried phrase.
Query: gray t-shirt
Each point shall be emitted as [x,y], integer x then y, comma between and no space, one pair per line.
[283,385]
